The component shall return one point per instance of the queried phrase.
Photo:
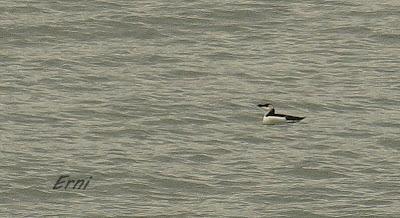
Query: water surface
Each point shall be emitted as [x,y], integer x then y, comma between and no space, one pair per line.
[157,100]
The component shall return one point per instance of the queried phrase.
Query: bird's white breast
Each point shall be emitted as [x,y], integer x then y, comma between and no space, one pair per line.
[273,120]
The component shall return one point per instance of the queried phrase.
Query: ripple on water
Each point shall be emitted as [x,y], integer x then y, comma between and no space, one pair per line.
[314,174]
[392,143]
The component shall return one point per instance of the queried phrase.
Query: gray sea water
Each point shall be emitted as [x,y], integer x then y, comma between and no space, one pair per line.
[156,101]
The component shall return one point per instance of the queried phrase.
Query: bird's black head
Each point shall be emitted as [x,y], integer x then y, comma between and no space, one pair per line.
[267,107]
[263,105]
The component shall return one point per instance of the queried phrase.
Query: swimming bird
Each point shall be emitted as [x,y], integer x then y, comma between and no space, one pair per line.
[270,117]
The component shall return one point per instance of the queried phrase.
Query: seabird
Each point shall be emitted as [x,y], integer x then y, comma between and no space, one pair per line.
[270,117]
